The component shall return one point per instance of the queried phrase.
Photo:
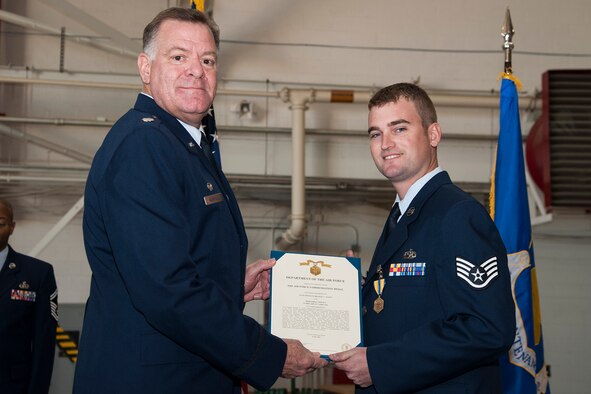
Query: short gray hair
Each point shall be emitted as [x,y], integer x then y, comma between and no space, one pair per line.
[177,14]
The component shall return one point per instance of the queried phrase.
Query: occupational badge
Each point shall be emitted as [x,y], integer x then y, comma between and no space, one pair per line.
[410,254]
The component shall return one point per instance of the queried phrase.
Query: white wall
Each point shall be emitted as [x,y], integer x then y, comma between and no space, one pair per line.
[452,45]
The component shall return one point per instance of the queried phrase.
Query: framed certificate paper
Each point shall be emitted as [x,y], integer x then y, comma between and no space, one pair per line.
[316,299]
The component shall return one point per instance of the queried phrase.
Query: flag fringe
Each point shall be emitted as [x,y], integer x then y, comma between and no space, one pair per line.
[513,78]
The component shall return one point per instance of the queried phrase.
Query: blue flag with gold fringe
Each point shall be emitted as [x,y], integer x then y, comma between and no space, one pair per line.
[523,367]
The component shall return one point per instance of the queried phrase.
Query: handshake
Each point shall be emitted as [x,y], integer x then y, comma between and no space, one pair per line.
[300,361]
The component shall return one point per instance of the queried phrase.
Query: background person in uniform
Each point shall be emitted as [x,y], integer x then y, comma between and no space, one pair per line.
[166,241]
[437,303]
[28,316]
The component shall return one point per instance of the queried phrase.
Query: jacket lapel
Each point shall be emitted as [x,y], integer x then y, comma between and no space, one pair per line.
[148,105]
[8,275]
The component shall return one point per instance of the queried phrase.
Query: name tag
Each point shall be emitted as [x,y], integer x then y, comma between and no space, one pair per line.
[213,198]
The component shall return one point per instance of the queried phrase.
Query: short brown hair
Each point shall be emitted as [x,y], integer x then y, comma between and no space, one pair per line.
[411,92]
[178,14]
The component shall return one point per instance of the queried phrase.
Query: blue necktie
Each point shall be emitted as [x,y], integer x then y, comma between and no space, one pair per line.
[207,150]
[392,221]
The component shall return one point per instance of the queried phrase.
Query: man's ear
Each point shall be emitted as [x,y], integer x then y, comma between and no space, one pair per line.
[434,133]
[144,64]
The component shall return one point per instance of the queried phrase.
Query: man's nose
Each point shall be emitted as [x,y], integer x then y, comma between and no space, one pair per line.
[387,141]
[196,68]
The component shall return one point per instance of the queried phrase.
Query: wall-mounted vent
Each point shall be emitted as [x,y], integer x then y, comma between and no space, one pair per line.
[558,148]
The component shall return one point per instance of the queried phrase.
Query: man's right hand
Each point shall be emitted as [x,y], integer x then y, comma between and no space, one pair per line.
[299,360]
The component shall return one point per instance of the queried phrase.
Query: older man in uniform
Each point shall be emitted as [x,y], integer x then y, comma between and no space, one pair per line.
[437,303]
[166,242]
[28,316]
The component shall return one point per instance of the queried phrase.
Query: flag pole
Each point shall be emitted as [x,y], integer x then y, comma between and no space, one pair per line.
[523,368]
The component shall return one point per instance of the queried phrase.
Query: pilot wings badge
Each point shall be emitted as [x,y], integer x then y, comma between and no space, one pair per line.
[477,276]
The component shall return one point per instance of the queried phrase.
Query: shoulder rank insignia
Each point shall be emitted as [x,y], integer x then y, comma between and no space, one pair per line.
[147,120]
[477,276]
[53,305]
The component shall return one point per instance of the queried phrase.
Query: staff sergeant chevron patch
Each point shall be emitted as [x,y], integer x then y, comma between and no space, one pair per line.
[477,276]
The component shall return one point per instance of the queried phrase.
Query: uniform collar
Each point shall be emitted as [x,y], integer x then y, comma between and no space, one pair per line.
[195,132]
[3,256]
[414,190]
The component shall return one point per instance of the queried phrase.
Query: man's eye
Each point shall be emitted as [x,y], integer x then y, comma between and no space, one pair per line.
[373,135]
[400,130]
[178,58]
[209,62]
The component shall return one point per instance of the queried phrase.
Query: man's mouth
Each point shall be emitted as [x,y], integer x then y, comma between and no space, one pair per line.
[392,156]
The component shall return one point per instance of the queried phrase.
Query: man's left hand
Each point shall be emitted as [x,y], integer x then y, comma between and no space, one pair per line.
[256,281]
[354,363]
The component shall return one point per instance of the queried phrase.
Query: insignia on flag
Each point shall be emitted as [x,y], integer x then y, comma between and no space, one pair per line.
[407,269]
[477,276]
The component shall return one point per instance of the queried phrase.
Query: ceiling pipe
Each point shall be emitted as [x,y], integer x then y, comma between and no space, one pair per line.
[335,96]
[238,129]
[298,100]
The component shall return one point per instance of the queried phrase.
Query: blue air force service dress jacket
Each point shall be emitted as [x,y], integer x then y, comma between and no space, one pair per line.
[28,319]
[167,248]
[448,311]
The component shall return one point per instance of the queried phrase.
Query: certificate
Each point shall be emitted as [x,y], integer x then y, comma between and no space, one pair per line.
[317,300]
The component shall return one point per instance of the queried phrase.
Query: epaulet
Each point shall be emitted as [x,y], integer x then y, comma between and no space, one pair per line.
[148,119]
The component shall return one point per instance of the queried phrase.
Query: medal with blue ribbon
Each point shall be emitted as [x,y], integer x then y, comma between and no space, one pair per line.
[378,285]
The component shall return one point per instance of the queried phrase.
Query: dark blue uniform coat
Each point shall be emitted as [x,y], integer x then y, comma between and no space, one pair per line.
[167,248]
[443,331]
[28,318]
